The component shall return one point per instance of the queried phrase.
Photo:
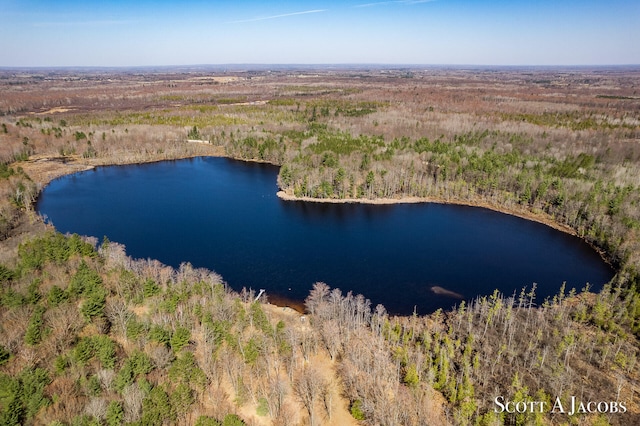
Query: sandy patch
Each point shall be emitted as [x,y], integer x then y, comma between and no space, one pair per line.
[250,103]
[217,79]
[55,110]
[43,168]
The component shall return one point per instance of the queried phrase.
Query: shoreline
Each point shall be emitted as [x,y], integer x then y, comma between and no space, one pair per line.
[43,169]
[528,215]
[541,218]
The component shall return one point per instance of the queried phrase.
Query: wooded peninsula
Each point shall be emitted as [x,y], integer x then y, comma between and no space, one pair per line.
[91,336]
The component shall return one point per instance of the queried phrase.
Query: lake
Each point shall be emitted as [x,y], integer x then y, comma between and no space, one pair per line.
[224,215]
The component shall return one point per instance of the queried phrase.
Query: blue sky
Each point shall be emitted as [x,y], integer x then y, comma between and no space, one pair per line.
[189,32]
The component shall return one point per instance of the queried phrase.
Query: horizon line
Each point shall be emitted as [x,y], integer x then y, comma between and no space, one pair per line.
[263,65]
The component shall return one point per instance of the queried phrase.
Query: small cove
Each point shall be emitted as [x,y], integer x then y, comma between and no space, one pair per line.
[224,215]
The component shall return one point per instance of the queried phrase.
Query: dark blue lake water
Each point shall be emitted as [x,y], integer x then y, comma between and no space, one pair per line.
[224,215]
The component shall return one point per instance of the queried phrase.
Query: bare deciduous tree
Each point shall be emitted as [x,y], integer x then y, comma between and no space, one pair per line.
[310,387]
[132,396]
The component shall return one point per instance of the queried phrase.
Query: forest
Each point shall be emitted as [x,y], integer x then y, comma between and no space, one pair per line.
[90,336]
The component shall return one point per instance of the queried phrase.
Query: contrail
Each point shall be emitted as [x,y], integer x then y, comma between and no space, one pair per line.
[284,15]
[379,3]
